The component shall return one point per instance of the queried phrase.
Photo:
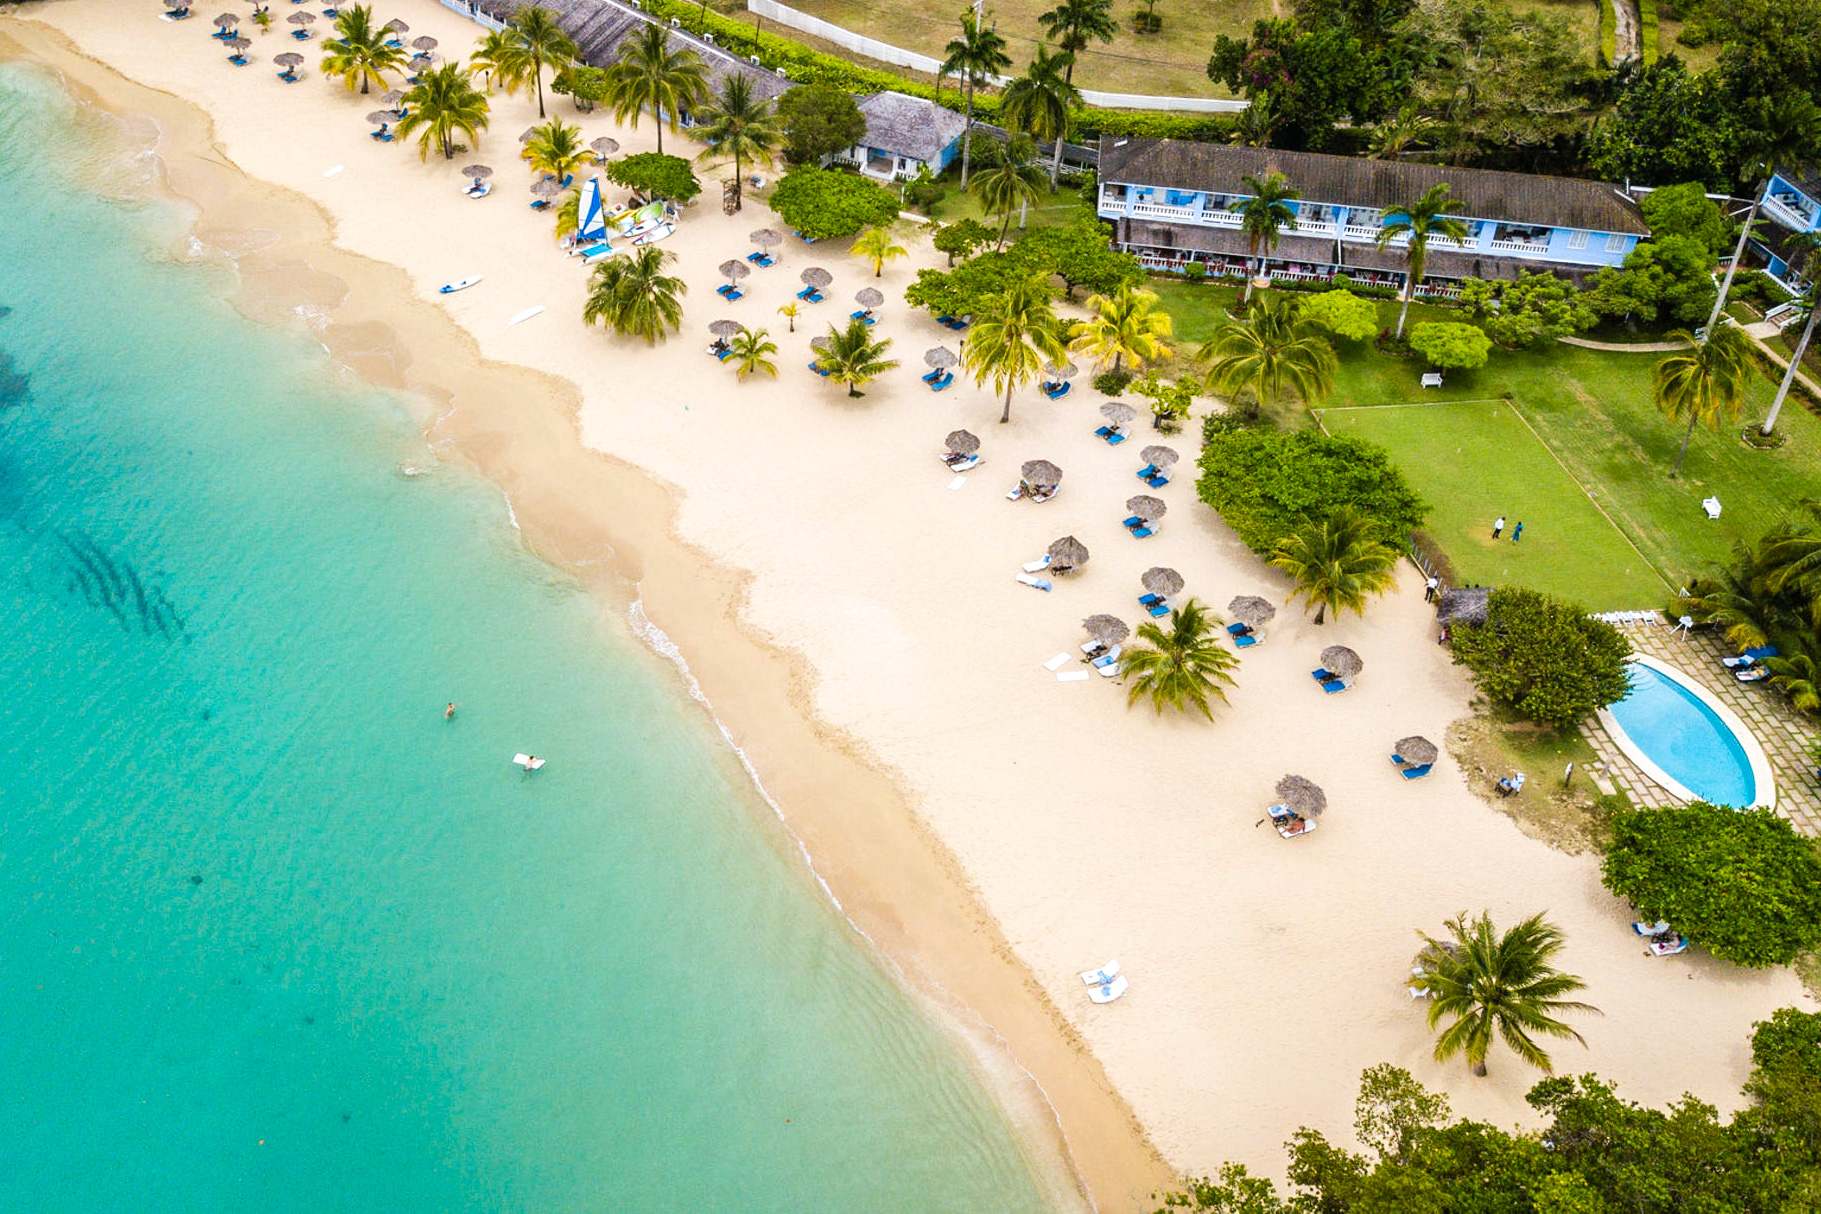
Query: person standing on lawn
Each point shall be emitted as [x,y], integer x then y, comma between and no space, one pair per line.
[1498,526]
[1517,533]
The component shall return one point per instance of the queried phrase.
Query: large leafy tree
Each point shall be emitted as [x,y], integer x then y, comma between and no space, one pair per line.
[442,104]
[1543,656]
[1011,184]
[555,148]
[1125,324]
[1669,124]
[648,75]
[1337,563]
[1704,383]
[855,357]
[536,43]
[1041,101]
[655,175]
[819,120]
[1015,333]
[1272,349]
[359,52]
[1669,278]
[974,58]
[1267,483]
[1742,883]
[1073,25]
[1416,223]
[635,297]
[824,204]
[1264,215]
[740,127]
[1489,984]
[1179,667]
[1312,75]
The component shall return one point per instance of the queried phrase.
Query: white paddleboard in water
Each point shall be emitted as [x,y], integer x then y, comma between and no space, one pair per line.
[527,762]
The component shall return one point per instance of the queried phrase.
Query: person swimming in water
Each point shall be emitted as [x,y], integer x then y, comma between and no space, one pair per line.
[450,710]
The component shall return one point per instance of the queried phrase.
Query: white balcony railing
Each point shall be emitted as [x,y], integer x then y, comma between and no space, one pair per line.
[1789,216]
[1312,228]
[1520,246]
[1157,210]
[1369,234]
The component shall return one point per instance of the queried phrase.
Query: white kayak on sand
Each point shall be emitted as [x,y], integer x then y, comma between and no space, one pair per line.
[527,762]
[460,284]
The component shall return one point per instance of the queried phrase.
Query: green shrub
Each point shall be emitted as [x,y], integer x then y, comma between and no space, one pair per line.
[1544,657]
[1609,33]
[1789,1041]
[1742,883]
[655,175]
[1268,483]
[1343,314]
[823,203]
[1758,288]
[1447,343]
[1112,383]
[1647,30]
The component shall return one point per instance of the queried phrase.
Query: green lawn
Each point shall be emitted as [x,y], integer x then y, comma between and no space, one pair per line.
[1473,461]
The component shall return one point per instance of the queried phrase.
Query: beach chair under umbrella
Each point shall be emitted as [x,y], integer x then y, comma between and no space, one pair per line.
[224,24]
[1163,582]
[1039,479]
[814,279]
[239,46]
[603,148]
[1067,555]
[303,21]
[1056,385]
[1414,756]
[1105,632]
[869,298]
[1299,802]
[545,188]
[766,240]
[1338,666]
[939,360]
[1251,610]
[733,270]
[1142,513]
[424,43]
[477,175]
[289,61]
[1158,460]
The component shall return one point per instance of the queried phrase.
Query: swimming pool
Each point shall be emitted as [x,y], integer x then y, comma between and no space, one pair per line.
[1686,740]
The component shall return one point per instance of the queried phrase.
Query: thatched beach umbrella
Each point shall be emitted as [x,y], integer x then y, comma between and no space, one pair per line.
[816,277]
[1416,750]
[301,19]
[1301,797]
[765,238]
[1040,473]
[961,442]
[479,172]
[525,137]
[395,26]
[1251,610]
[1107,629]
[733,270]
[1059,373]
[1342,661]
[605,146]
[869,298]
[1159,457]
[383,117]
[1162,582]
[391,97]
[725,329]
[1463,605]
[420,63]
[547,187]
[289,61]
[1117,414]
[426,43]
[939,358]
[226,21]
[819,344]
[1146,508]
[238,43]
[1067,553]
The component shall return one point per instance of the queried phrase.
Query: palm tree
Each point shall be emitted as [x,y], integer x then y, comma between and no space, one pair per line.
[1789,134]
[875,244]
[649,75]
[1796,671]
[1263,216]
[1073,24]
[1015,333]
[1337,562]
[1807,247]
[1182,667]
[1747,598]
[493,57]
[976,56]
[1704,383]
[569,213]
[1498,983]
[1125,324]
[1010,184]
[635,296]
[359,52]
[536,42]
[1273,348]
[740,127]
[555,148]
[790,311]
[1431,215]
[1040,102]
[853,356]
[1400,133]
[751,351]
[443,102]
[1253,126]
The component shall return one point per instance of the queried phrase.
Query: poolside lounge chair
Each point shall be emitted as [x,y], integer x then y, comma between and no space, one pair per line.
[1035,583]
[1749,657]
[1156,604]
[934,374]
[1333,685]
[1106,661]
[1246,640]
[1752,674]
[727,290]
[1142,532]
[811,295]
[1111,991]
[1321,674]
[1034,566]
[176,11]
[1101,976]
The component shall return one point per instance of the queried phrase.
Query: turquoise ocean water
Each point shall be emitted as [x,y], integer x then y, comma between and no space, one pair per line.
[274,936]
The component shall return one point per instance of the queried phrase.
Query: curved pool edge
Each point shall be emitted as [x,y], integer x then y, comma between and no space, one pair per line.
[1764,784]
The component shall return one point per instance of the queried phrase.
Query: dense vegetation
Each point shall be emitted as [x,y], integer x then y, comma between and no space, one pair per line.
[1544,657]
[822,203]
[1267,483]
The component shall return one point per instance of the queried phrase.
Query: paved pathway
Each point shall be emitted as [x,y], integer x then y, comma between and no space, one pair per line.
[1784,733]
[1624,347]
[1626,45]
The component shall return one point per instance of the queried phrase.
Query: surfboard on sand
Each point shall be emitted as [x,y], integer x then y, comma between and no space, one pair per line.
[527,762]
[526,315]
[460,284]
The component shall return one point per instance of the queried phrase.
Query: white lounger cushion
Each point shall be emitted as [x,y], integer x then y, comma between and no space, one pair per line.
[1034,566]
[1109,992]
[1101,976]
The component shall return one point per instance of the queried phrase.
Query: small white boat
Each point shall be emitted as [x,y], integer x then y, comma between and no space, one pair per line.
[460,284]
[526,315]
[654,235]
[527,762]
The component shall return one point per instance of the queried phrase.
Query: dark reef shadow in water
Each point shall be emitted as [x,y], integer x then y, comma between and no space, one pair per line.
[113,585]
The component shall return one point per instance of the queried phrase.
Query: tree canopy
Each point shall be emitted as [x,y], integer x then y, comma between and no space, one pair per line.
[1447,343]
[1664,280]
[655,175]
[824,203]
[1342,313]
[1268,483]
[1533,309]
[1545,657]
[819,120]
[1742,883]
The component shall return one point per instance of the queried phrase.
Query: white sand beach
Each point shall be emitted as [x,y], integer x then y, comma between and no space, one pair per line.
[994,829]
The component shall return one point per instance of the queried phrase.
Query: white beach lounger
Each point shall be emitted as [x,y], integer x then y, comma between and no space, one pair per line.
[1056,663]
[1072,676]
[1101,976]
[1109,992]
[960,482]
[1036,583]
[1419,992]
[1108,671]
[332,170]
[1034,566]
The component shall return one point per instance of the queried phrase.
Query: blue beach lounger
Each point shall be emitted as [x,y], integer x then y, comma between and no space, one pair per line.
[1058,391]
[1334,685]
[810,295]
[1321,674]
[760,259]
[1245,640]
[1415,773]
[816,366]
[937,385]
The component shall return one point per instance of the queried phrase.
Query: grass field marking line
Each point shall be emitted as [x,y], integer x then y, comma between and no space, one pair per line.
[1411,404]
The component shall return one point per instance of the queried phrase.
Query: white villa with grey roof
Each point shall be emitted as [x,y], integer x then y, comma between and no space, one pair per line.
[904,135]
[1173,202]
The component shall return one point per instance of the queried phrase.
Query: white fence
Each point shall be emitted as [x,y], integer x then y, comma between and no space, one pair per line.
[884,52]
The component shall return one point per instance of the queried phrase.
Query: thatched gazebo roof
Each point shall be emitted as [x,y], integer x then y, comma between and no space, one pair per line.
[1159,457]
[1068,553]
[1117,413]
[734,269]
[238,43]
[941,356]
[1416,749]
[1163,582]
[1147,508]
[765,238]
[1250,609]
[393,96]
[1040,473]
[226,21]
[1463,605]
[869,297]
[1342,661]
[725,328]
[1109,630]
[817,277]
[395,26]
[961,442]
[301,19]
[1301,796]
